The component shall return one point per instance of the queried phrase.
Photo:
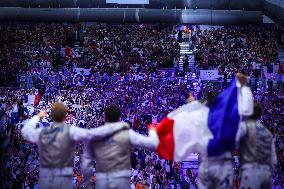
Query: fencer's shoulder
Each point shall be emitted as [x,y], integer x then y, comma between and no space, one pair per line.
[260,125]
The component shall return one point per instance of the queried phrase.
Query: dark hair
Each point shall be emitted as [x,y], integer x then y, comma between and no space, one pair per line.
[210,97]
[257,111]
[112,113]
[58,112]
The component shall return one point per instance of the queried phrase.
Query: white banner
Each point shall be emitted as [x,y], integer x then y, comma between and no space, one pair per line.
[82,71]
[209,75]
[31,99]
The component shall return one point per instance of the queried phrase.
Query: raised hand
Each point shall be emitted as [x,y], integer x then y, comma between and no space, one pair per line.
[42,114]
[242,78]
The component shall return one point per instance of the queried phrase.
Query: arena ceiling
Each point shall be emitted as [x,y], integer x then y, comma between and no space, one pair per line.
[140,11]
[152,4]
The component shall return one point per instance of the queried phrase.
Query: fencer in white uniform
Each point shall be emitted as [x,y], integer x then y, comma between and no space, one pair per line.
[217,171]
[56,145]
[214,171]
[257,152]
[112,154]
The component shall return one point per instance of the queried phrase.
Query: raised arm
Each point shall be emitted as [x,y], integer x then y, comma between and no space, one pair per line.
[149,142]
[245,97]
[29,130]
[80,134]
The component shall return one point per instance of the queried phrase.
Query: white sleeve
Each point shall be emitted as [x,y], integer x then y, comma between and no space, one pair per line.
[245,100]
[108,129]
[30,132]
[150,142]
[80,134]
[87,165]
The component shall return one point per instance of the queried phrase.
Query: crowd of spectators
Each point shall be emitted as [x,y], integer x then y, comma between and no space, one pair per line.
[119,48]
[132,53]
[107,48]
[272,105]
[236,48]
[26,45]
[143,100]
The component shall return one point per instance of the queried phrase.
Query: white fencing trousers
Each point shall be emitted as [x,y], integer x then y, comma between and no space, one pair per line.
[215,175]
[115,180]
[256,176]
[55,178]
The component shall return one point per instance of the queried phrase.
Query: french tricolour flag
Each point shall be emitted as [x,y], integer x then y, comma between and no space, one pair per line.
[211,130]
[33,99]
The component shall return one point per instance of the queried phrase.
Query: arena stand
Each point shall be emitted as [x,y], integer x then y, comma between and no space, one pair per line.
[90,66]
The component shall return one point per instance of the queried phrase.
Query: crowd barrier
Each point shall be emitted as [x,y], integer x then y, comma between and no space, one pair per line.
[30,81]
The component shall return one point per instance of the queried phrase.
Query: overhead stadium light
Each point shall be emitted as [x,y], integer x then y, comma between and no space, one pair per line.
[135,2]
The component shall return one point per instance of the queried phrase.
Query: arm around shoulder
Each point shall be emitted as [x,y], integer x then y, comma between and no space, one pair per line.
[149,142]
[107,130]
[29,130]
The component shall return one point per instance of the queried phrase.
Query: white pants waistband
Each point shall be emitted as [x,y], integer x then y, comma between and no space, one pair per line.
[113,174]
[66,171]
[256,166]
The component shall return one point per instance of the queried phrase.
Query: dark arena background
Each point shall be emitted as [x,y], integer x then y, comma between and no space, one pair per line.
[147,57]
